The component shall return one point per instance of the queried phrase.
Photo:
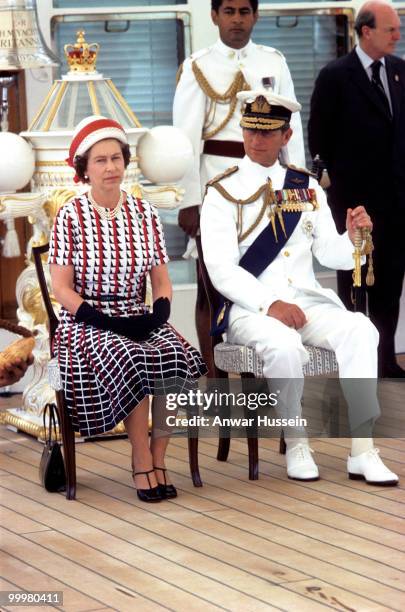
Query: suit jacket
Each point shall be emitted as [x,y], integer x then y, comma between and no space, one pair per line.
[351,130]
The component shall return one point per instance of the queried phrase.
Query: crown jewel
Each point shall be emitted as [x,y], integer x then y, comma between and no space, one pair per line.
[81,56]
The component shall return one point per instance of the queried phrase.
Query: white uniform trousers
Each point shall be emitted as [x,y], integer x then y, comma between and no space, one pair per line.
[351,335]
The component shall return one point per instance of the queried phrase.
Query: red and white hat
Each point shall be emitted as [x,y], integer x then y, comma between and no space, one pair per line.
[91,130]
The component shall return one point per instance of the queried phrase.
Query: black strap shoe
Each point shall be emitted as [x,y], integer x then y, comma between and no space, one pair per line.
[153,494]
[168,491]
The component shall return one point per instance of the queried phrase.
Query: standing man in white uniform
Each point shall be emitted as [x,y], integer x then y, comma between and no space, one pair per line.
[260,225]
[206,108]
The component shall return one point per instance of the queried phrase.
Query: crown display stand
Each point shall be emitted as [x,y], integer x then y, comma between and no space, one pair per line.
[81,92]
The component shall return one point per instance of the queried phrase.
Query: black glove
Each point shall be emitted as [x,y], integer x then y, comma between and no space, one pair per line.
[159,316]
[135,328]
[91,316]
[161,311]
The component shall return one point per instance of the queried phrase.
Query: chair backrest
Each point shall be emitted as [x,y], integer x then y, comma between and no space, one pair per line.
[213,296]
[38,251]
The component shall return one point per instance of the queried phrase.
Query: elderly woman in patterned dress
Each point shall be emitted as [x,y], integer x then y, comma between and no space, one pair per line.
[112,350]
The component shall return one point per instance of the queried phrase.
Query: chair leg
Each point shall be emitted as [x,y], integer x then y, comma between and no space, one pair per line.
[224,440]
[283,445]
[252,435]
[224,432]
[224,444]
[253,450]
[68,439]
[192,433]
[253,446]
[193,460]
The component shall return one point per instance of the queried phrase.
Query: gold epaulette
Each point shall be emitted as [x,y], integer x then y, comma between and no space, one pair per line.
[223,175]
[214,182]
[303,170]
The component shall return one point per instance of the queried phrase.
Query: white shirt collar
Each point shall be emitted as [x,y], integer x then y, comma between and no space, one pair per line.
[365,59]
[262,173]
[233,53]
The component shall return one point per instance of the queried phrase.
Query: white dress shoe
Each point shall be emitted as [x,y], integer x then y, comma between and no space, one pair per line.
[300,465]
[369,467]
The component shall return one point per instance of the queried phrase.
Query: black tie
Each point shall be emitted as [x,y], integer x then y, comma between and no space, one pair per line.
[377,84]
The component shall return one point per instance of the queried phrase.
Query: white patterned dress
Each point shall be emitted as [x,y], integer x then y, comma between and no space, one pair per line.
[105,375]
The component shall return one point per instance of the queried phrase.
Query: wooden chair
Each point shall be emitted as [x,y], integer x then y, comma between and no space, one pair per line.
[243,361]
[65,423]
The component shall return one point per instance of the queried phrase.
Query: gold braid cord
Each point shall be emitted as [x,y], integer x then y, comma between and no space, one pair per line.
[229,97]
[368,250]
[20,349]
[286,201]
[363,235]
[268,199]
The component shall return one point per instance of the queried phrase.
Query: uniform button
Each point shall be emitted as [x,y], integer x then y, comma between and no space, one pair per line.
[286,253]
[290,281]
[261,309]
[231,54]
[241,65]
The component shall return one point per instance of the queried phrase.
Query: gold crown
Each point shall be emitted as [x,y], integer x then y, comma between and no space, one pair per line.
[260,105]
[81,56]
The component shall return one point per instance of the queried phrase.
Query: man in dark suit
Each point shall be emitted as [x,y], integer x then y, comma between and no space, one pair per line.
[357,127]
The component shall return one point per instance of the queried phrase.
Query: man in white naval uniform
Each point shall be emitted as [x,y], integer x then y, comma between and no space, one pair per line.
[206,108]
[283,306]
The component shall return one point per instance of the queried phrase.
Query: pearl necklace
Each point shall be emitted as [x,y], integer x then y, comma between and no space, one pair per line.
[106,213]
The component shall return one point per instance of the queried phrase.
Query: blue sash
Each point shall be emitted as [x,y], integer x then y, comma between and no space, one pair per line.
[264,249]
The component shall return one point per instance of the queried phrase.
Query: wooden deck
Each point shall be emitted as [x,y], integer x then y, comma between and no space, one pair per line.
[272,544]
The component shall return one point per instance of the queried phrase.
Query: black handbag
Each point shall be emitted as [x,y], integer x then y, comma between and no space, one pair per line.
[52,468]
